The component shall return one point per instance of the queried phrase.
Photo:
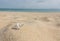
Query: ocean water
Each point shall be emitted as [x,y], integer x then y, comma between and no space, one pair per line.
[31,10]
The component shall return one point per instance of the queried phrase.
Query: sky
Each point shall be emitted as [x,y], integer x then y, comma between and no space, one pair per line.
[30,4]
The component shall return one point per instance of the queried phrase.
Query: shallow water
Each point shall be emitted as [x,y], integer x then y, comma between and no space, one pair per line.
[31,10]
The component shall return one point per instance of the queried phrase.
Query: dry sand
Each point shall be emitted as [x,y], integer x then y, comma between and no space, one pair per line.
[36,26]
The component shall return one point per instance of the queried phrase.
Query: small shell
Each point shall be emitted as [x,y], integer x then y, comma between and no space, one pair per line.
[17,26]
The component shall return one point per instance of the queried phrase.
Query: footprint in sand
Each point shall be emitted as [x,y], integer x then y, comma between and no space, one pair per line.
[45,19]
[7,32]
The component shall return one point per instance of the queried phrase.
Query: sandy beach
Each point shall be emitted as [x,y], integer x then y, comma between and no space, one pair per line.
[35,26]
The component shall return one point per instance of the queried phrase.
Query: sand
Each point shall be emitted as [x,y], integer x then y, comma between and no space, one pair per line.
[36,26]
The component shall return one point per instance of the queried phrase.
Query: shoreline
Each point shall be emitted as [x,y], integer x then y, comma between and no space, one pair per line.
[34,11]
[29,12]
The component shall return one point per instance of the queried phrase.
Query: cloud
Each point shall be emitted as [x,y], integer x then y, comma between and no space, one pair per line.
[43,4]
[33,4]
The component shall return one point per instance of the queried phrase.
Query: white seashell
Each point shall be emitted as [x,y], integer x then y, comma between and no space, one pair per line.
[17,26]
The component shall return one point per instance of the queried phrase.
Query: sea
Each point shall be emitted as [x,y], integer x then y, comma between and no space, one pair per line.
[29,10]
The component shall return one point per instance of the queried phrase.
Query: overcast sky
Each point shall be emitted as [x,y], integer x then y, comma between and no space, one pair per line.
[31,4]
